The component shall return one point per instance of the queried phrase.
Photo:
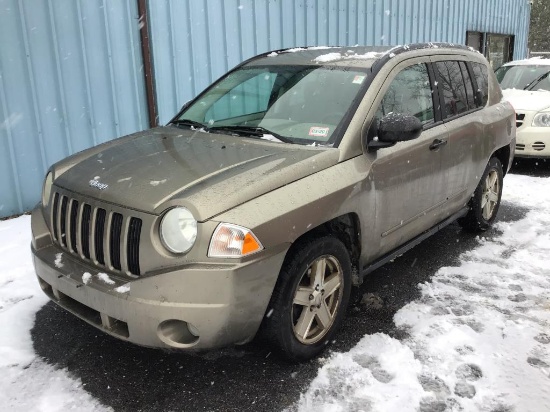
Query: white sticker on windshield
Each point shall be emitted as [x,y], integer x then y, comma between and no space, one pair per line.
[358,79]
[318,131]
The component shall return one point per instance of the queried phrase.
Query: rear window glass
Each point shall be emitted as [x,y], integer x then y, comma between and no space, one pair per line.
[453,88]
[469,86]
[482,92]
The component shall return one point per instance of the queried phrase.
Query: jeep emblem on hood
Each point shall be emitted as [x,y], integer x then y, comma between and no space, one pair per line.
[98,185]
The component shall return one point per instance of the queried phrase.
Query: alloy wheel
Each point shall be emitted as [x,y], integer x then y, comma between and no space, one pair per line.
[489,197]
[317,299]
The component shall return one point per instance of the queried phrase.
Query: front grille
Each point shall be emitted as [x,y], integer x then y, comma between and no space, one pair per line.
[519,119]
[538,146]
[104,237]
[520,146]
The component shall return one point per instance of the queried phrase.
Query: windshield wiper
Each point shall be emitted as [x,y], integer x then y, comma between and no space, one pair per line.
[189,122]
[536,81]
[252,131]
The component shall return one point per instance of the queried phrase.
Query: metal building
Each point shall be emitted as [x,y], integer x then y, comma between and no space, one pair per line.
[75,73]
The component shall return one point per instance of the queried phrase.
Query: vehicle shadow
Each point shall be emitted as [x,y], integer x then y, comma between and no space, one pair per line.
[531,167]
[127,377]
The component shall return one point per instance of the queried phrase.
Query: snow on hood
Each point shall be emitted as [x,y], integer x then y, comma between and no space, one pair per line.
[527,100]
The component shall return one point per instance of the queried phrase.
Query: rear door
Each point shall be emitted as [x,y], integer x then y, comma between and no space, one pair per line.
[460,110]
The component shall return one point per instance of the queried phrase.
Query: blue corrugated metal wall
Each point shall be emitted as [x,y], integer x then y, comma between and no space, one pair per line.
[71,71]
[196,41]
[70,77]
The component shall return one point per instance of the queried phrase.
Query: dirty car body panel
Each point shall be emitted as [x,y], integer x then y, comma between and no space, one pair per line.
[98,242]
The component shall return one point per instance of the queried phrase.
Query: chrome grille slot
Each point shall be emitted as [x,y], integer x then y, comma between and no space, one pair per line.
[520,146]
[519,119]
[55,217]
[539,146]
[63,221]
[99,233]
[114,240]
[73,226]
[85,230]
[103,236]
[134,232]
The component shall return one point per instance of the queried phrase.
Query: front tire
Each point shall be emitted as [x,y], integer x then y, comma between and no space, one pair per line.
[486,199]
[310,299]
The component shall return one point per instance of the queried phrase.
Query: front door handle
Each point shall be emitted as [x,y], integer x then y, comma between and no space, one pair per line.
[437,143]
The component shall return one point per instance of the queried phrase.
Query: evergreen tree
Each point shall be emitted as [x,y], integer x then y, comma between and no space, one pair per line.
[539,32]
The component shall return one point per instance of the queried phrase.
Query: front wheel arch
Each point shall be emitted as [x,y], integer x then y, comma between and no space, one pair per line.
[280,326]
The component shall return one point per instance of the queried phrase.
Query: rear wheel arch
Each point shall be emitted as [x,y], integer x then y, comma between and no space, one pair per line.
[503,154]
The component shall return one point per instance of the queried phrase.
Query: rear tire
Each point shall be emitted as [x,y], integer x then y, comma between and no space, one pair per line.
[486,199]
[310,299]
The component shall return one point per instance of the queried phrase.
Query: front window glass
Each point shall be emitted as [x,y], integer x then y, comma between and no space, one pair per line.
[298,104]
[528,77]
[409,93]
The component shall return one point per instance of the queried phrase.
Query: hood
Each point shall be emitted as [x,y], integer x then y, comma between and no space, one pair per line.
[206,172]
[527,100]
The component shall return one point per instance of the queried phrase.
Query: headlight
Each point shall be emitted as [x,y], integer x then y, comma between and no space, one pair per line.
[46,191]
[178,230]
[232,241]
[541,120]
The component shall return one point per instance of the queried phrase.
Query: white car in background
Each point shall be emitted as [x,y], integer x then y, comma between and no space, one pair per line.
[526,85]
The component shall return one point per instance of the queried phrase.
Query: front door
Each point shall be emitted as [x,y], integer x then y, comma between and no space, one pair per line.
[410,188]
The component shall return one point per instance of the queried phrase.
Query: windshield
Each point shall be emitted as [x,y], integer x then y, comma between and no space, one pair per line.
[295,104]
[528,77]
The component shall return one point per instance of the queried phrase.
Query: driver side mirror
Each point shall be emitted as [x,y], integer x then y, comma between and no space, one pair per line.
[396,127]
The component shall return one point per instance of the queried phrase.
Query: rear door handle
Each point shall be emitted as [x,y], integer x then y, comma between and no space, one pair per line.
[437,143]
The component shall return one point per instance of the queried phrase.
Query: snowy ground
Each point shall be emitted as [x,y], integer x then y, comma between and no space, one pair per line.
[478,338]
[26,382]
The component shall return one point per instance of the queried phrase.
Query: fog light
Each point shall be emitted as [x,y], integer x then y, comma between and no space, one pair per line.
[178,333]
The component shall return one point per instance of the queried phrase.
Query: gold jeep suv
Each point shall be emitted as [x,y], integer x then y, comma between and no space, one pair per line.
[270,194]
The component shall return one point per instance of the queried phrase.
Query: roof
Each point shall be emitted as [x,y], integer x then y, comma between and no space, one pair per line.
[359,56]
[333,55]
[533,61]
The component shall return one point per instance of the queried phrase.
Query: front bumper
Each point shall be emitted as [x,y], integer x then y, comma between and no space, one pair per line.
[199,306]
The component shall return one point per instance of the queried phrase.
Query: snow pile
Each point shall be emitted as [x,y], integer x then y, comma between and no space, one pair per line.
[27,382]
[86,278]
[365,56]
[329,57]
[104,277]
[123,289]
[478,338]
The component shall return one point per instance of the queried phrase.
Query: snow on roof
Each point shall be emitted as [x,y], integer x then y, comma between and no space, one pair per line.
[533,61]
[330,57]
